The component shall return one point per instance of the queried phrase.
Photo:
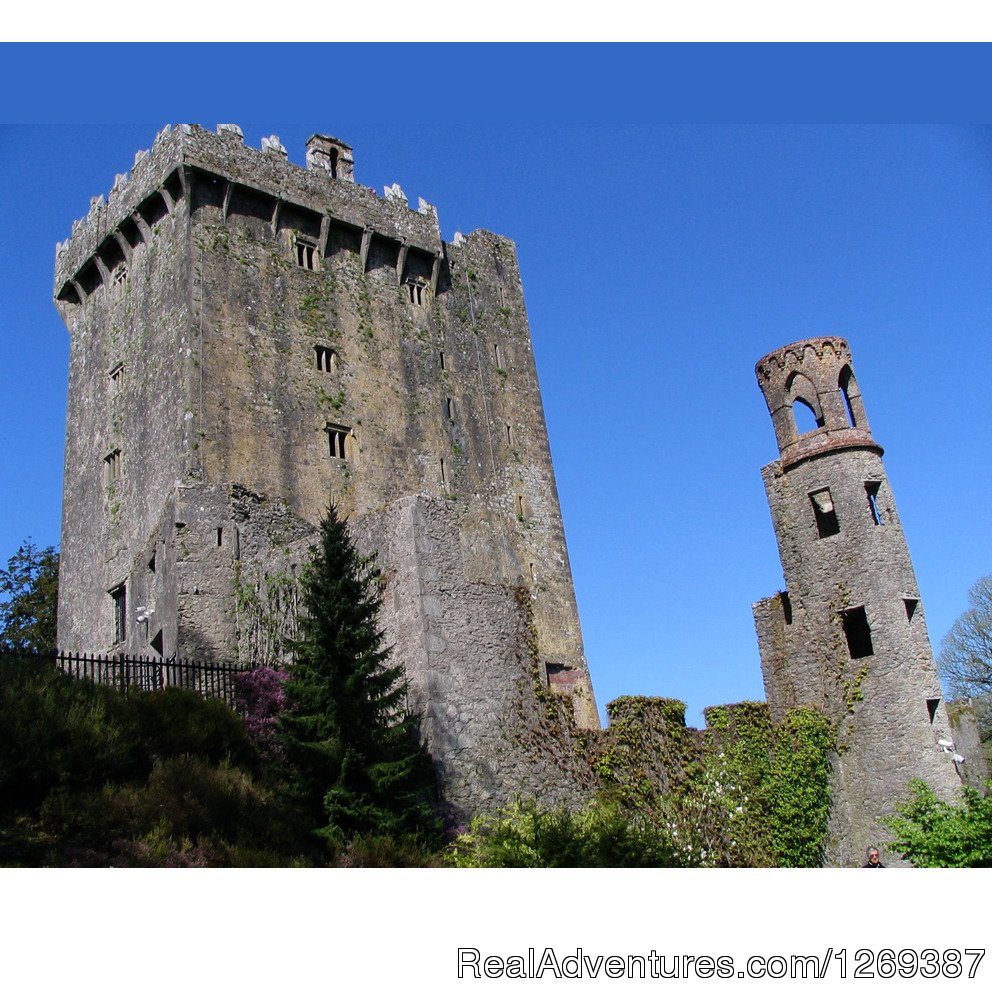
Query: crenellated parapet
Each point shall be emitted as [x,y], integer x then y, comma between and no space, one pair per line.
[323,196]
[814,399]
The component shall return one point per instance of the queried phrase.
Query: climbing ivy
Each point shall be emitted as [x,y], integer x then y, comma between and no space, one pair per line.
[746,792]
[799,796]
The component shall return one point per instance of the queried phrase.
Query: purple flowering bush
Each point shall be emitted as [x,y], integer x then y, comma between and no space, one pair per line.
[260,696]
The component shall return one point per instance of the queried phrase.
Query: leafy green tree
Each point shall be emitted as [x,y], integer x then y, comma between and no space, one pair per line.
[353,756]
[29,588]
[933,833]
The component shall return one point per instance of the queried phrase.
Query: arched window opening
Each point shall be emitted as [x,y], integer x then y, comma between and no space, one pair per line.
[852,397]
[805,417]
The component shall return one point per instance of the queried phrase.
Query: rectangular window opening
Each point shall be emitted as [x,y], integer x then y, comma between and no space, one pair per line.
[499,357]
[220,537]
[441,356]
[444,480]
[326,358]
[825,512]
[871,491]
[151,563]
[910,605]
[306,255]
[858,632]
[786,607]
[932,705]
[118,597]
[337,437]
[415,289]
[449,408]
[112,467]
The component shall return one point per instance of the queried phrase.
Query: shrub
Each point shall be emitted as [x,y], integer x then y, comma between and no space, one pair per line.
[174,722]
[55,732]
[933,833]
[527,835]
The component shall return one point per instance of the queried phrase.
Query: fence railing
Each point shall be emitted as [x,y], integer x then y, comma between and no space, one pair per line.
[213,680]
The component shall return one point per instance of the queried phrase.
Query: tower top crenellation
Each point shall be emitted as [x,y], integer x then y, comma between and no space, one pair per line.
[813,398]
[329,171]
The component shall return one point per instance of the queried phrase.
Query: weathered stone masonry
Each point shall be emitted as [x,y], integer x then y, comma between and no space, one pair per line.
[252,339]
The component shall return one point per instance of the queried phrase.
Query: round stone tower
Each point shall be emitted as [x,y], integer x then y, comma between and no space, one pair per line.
[848,635]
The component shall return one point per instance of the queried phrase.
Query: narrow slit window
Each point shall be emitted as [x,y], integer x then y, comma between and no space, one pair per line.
[337,437]
[520,508]
[449,408]
[444,479]
[118,598]
[306,255]
[786,607]
[326,358]
[533,574]
[509,435]
[499,356]
[220,537]
[116,378]
[858,632]
[932,705]
[910,605]
[825,513]
[871,491]
[112,467]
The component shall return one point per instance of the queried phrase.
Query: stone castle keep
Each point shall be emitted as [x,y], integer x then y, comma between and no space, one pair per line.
[251,340]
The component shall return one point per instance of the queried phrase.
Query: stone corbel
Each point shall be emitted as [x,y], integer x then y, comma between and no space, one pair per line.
[435,275]
[325,233]
[366,244]
[125,245]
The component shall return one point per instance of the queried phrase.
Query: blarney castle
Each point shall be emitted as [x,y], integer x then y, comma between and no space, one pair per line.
[251,340]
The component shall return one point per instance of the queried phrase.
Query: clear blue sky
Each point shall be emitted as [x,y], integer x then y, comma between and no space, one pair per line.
[677,216]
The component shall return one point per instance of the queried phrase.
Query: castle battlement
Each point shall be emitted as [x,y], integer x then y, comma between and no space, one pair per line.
[325,190]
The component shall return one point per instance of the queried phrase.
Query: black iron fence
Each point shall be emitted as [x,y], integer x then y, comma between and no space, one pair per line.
[213,680]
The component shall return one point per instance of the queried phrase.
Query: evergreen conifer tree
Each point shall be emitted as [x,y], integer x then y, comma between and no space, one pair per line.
[354,759]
